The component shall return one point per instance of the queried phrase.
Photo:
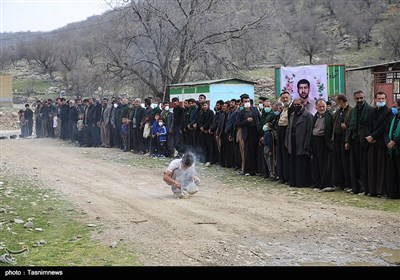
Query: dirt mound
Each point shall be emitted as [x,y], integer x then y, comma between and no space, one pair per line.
[9,120]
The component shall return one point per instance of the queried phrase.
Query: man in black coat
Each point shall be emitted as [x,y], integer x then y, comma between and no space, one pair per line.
[355,141]
[136,115]
[28,114]
[381,115]
[248,122]
[283,166]
[298,142]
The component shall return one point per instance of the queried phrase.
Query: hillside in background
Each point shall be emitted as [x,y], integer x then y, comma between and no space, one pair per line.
[117,53]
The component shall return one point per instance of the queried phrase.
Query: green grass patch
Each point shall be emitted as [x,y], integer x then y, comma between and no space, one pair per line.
[142,161]
[341,197]
[362,201]
[64,238]
[354,57]
[27,85]
[261,73]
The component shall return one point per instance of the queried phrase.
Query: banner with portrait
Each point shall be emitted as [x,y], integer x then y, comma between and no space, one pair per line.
[314,75]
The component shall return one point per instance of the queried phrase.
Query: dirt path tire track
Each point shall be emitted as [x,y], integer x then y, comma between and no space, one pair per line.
[220,225]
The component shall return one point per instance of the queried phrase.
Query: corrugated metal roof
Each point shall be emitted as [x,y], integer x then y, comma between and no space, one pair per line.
[208,82]
[372,66]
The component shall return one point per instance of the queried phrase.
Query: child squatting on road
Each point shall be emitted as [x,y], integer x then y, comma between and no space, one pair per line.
[181,176]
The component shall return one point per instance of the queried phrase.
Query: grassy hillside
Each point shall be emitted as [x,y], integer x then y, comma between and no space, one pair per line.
[344,51]
[30,84]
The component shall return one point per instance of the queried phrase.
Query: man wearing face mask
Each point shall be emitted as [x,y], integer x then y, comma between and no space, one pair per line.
[248,121]
[356,142]
[276,110]
[298,142]
[155,108]
[376,146]
[267,116]
[261,101]
[392,142]
[395,110]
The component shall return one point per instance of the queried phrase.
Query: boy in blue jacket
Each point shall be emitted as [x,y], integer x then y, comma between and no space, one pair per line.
[269,150]
[161,138]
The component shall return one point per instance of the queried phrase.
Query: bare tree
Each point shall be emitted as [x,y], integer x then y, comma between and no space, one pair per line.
[24,51]
[391,36]
[308,37]
[90,47]
[69,57]
[330,5]
[44,54]
[357,28]
[144,45]
[331,51]
[359,16]
[161,43]
[287,55]
[9,55]
[373,11]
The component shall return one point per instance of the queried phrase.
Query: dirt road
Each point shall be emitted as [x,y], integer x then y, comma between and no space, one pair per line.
[223,224]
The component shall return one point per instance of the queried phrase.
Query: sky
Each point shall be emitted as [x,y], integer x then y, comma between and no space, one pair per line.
[46,15]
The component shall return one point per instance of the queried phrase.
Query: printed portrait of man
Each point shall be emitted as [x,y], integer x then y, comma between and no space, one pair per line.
[307,82]
[303,90]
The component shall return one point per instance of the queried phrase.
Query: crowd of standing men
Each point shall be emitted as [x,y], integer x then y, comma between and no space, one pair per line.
[355,149]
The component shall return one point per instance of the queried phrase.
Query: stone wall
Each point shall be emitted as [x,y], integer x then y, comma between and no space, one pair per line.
[264,87]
